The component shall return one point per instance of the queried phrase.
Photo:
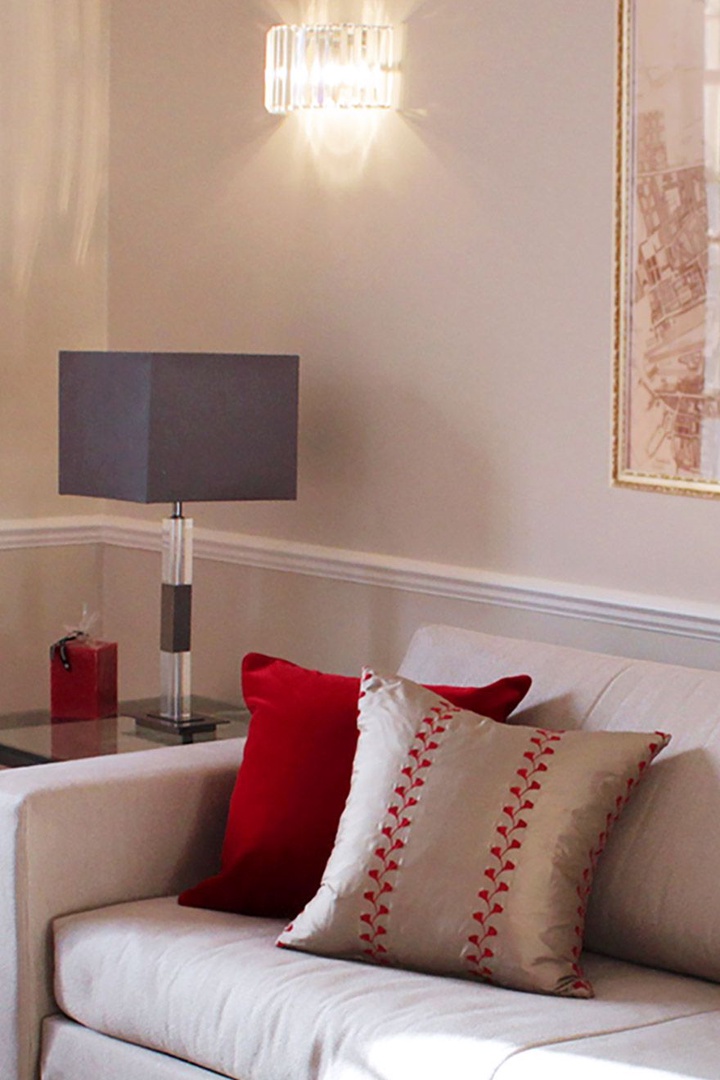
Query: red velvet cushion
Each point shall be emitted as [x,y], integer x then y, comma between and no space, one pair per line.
[294,779]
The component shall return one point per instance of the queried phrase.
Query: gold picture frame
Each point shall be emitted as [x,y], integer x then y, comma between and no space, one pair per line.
[666,412]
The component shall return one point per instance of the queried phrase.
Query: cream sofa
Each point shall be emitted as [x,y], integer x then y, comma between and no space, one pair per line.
[103,975]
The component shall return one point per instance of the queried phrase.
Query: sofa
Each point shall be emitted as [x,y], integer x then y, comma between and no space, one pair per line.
[104,975]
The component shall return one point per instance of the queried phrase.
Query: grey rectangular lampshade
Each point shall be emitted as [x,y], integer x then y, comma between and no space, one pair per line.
[176,427]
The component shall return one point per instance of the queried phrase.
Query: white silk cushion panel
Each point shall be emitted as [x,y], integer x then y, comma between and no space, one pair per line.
[467,847]
[211,988]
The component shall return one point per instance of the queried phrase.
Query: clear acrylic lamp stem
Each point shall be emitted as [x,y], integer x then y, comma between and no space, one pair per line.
[175,695]
[175,714]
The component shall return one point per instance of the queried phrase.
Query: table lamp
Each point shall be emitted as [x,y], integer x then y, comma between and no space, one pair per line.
[173,428]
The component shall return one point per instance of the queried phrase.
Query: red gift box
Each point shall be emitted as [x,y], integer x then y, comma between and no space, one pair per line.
[83,679]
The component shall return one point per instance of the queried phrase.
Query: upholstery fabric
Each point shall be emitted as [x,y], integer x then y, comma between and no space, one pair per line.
[294,780]
[663,1051]
[654,897]
[653,900]
[52,862]
[467,847]
[72,1052]
[212,989]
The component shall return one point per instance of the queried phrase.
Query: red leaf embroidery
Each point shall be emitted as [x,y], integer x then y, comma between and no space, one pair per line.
[395,829]
[503,867]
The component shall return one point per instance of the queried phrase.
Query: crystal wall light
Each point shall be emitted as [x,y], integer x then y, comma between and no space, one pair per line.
[345,66]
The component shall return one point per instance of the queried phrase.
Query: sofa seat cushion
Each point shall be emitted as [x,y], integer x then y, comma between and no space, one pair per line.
[211,988]
[687,1047]
[70,1050]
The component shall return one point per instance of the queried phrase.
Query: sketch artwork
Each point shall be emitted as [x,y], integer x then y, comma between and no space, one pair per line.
[667,432]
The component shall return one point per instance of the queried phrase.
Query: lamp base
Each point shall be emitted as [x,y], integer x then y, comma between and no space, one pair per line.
[186,725]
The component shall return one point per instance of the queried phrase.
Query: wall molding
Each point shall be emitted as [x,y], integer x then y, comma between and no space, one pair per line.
[630,610]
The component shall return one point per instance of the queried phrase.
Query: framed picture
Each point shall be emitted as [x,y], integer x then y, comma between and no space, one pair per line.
[667,271]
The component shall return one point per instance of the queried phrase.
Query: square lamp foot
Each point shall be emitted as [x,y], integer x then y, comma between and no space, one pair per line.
[186,726]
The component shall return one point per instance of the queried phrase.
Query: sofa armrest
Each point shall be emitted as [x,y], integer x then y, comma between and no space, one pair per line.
[84,834]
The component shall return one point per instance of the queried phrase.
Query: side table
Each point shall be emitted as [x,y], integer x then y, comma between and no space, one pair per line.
[33,738]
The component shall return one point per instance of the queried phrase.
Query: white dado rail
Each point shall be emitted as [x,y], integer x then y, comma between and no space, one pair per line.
[631,610]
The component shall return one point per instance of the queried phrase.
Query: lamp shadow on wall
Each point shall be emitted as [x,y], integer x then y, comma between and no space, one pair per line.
[445,68]
[344,451]
[388,446]
[346,622]
[53,130]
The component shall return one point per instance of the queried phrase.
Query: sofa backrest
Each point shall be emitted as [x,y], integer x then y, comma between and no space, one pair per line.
[655,897]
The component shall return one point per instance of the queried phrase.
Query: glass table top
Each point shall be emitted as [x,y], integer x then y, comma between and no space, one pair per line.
[32,737]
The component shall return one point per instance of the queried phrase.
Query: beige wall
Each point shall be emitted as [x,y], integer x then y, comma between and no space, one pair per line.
[43,592]
[53,254]
[320,622]
[444,273]
[53,207]
[446,282]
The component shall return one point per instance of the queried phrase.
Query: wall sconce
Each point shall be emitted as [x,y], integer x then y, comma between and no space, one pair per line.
[344,65]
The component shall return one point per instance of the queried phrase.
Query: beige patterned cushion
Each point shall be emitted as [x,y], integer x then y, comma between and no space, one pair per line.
[467,847]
